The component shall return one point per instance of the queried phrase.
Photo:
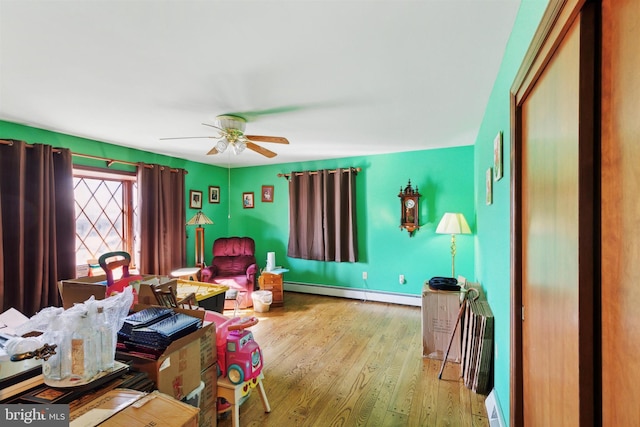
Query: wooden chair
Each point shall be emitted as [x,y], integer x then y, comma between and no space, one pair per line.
[169,298]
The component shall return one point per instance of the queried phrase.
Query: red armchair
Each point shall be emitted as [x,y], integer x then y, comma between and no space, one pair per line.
[233,265]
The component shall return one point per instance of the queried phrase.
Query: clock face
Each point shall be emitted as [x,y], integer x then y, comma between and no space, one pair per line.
[409,203]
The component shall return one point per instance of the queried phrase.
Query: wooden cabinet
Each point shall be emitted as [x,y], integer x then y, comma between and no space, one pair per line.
[272,282]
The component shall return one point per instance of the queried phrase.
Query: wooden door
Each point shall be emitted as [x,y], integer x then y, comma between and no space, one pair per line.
[555,265]
[620,212]
[550,241]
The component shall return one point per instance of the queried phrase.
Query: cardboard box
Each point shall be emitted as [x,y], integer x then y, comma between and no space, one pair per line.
[206,396]
[126,408]
[177,371]
[209,396]
[208,350]
[439,315]
[81,289]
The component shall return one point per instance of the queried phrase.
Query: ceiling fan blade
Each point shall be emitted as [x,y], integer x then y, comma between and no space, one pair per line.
[191,137]
[213,151]
[262,138]
[253,115]
[260,150]
[214,126]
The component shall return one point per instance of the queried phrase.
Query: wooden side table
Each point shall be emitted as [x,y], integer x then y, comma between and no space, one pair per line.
[272,281]
[186,273]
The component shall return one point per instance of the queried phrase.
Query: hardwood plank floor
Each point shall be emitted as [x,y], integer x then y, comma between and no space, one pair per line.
[342,362]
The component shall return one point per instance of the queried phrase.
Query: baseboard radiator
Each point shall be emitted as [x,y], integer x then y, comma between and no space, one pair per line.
[354,293]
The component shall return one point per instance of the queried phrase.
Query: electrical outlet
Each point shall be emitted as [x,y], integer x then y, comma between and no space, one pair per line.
[401,279]
[364,275]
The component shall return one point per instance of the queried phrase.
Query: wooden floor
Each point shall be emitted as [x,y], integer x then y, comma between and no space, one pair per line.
[342,362]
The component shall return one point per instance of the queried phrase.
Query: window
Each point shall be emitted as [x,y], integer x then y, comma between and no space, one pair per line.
[106,214]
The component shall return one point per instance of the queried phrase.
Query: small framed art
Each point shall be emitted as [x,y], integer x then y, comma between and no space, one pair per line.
[247,200]
[497,157]
[267,193]
[489,186]
[195,199]
[214,194]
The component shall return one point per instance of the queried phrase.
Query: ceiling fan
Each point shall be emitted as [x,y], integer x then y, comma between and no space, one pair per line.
[231,135]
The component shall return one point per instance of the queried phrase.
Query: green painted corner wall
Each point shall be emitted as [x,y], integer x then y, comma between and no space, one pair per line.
[493,239]
[198,177]
[443,176]
[445,180]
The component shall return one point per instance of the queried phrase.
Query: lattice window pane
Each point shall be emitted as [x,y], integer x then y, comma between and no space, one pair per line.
[100,216]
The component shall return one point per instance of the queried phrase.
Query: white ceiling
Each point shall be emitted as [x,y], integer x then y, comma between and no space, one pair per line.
[342,78]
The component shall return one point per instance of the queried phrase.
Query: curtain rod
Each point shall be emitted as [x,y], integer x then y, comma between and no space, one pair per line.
[288,175]
[109,162]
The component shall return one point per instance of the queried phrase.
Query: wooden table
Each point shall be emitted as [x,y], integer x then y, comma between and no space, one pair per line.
[186,273]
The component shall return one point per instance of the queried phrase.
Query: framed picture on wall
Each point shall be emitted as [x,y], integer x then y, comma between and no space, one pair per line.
[267,193]
[489,186]
[247,200]
[497,157]
[214,194]
[195,199]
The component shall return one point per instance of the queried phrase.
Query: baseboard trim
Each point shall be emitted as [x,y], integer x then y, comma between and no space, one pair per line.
[361,294]
[494,412]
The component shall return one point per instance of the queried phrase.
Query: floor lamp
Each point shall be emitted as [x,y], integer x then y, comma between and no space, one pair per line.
[453,223]
[199,219]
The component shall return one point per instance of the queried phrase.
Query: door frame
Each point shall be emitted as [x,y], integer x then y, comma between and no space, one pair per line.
[556,21]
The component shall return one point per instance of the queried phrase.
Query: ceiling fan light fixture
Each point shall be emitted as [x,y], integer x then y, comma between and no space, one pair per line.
[239,147]
[222,145]
[231,122]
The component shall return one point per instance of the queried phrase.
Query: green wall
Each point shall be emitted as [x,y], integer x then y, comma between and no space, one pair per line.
[493,256]
[198,177]
[443,176]
[445,180]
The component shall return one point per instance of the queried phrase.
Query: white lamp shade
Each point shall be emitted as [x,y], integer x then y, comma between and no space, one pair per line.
[238,147]
[222,145]
[453,223]
[199,219]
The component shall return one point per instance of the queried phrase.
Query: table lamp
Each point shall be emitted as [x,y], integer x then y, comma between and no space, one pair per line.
[453,223]
[199,219]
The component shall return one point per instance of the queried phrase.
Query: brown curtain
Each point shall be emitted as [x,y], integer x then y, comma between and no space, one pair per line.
[161,201]
[37,245]
[322,215]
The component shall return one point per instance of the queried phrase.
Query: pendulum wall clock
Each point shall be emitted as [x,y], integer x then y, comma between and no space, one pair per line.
[409,208]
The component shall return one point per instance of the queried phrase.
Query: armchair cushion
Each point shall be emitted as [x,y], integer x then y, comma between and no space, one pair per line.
[233,265]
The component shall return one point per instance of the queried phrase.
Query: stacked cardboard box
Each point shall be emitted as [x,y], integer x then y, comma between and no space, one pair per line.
[439,314]
[176,371]
[209,379]
[122,407]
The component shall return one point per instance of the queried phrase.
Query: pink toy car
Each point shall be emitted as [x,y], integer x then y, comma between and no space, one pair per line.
[239,355]
[243,357]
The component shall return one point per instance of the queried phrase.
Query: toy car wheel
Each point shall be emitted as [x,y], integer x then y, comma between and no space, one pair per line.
[235,374]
